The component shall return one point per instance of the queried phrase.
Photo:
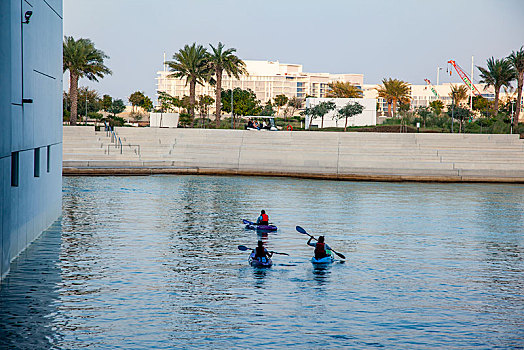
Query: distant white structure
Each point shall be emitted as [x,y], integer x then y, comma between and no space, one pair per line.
[31,120]
[266,79]
[163,120]
[422,94]
[367,117]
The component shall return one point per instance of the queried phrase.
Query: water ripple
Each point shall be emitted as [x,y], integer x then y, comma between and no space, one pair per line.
[151,262]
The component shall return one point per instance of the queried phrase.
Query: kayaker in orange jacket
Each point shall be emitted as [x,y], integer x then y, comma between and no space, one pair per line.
[263,219]
[320,247]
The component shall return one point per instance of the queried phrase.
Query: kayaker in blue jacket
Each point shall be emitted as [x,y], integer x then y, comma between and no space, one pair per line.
[261,252]
[263,219]
[320,247]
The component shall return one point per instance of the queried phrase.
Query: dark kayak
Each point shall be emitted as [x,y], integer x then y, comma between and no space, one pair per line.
[259,262]
[253,226]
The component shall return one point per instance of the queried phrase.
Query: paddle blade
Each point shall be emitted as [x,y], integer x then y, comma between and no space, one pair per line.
[247,222]
[243,248]
[280,253]
[340,255]
[301,230]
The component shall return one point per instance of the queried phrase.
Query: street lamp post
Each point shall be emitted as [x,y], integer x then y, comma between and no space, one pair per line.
[452,110]
[232,106]
[512,116]
[86,109]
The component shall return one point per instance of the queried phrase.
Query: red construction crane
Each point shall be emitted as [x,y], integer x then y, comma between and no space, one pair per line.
[464,77]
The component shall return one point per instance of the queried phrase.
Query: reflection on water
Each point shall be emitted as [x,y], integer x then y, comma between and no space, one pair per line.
[321,273]
[152,262]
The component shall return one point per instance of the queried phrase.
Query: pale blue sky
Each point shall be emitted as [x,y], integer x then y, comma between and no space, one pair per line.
[405,39]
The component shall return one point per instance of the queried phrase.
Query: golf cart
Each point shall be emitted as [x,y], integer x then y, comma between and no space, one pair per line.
[261,122]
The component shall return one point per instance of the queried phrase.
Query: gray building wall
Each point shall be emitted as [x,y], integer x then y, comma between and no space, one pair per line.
[30,122]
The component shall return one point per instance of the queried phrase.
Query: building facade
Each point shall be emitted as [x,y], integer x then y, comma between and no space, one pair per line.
[31,119]
[423,95]
[266,79]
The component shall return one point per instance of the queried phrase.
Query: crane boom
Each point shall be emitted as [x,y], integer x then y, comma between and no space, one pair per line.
[432,88]
[465,78]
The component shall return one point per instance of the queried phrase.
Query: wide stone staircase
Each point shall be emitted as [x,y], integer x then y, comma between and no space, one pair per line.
[379,156]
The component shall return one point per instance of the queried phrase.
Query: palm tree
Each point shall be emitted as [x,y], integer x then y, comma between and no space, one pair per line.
[458,93]
[191,62]
[393,91]
[82,59]
[341,89]
[497,74]
[224,61]
[280,101]
[517,61]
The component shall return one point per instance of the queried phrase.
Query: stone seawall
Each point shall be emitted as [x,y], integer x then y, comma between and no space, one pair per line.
[325,155]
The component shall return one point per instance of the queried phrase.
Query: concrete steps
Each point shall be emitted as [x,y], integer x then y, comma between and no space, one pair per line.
[453,156]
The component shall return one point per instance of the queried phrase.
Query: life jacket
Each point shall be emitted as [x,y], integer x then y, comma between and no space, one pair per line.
[320,251]
[265,218]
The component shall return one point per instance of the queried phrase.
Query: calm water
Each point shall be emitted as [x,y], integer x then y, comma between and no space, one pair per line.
[152,262]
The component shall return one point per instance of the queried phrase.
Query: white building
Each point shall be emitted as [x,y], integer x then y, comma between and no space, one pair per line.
[266,79]
[367,117]
[31,119]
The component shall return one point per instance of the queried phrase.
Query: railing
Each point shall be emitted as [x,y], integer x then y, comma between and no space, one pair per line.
[117,141]
[114,138]
[136,148]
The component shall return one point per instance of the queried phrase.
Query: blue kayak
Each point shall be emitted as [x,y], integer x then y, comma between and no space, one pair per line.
[327,260]
[254,226]
[259,262]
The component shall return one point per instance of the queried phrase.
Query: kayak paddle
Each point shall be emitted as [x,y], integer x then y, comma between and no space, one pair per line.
[244,248]
[301,230]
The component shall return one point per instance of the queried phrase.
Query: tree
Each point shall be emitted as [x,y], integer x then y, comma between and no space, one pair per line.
[204,101]
[107,101]
[461,114]
[516,59]
[82,59]
[268,109]
[394,91]
[88,102]
[244,103]
[295,104]
[165,101]
[191,63]
[93,101]
[341,89]
[280,101]
[458,94]
[117,107]
[424,113]
[497,74]
[224,61]
[349,110]
[437,106]
[136,99]
[323,108]
[147,104]
[482,104]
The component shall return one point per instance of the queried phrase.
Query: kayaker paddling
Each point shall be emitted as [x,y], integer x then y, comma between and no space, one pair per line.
[263,219]
[321,248]
[261,253]
[327,250]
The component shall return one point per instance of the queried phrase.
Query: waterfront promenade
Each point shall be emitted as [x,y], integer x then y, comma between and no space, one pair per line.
[328,155]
